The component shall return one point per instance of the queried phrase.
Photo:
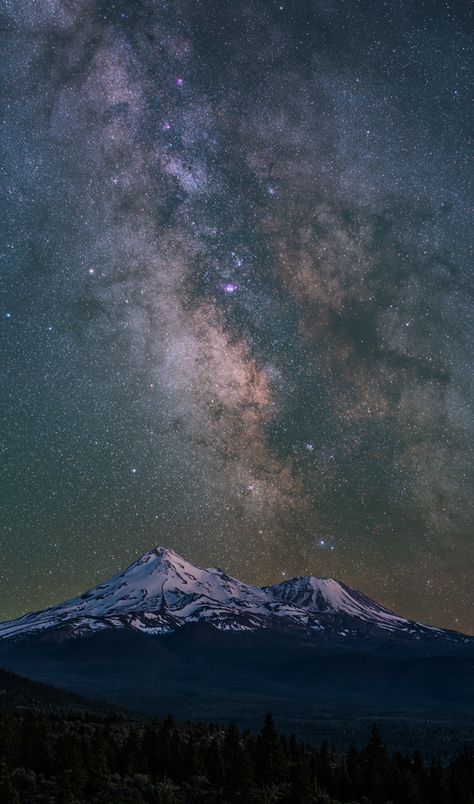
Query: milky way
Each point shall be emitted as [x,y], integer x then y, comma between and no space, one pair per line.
[236,295]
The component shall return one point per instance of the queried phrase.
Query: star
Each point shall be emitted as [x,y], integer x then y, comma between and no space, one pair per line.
[252,234]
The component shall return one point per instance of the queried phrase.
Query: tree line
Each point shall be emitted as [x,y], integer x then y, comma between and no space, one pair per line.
[78,758]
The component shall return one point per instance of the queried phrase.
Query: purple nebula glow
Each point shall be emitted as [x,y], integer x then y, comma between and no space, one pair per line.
[229,288]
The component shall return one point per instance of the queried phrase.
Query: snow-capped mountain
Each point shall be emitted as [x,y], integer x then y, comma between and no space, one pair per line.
[161,591]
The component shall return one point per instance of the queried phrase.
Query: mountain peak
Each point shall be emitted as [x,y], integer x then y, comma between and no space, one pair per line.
[161,552]
[329,595]
[159,559]
[161,591]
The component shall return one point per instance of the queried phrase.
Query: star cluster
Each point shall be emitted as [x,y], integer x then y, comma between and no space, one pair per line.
[237,296]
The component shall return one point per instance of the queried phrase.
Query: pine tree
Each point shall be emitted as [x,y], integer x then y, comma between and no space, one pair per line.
[270,758]
[150,748]
[7,792]
[175,764]
[36,747]
[192,757]
[300,780]
[66,794]
[323,767]
[375,748]
[132,756]
[69,762]
[214,761]
[438,792]
[97,767]
[8,741]
[238,772]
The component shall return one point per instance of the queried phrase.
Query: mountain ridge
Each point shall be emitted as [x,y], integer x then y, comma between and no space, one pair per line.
[161,591]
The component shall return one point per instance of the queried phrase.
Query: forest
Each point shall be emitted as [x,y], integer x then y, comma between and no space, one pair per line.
[78,757]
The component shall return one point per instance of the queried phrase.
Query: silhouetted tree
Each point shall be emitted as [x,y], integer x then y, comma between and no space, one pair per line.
[7,792]
[270,764]
[78,758]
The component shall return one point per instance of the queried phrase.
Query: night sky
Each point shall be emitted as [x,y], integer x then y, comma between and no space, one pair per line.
[237,296]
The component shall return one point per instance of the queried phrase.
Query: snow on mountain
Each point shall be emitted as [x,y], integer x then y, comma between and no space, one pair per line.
[327,596]
[162,591]
[156,593]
